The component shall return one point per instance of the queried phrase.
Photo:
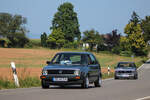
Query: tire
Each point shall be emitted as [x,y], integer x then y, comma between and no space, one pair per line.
[44,85]
[116,78]
[98,82]
[136,77]
[85,82]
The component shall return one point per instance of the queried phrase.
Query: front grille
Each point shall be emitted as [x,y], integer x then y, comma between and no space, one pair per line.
[124,72]
[60,71]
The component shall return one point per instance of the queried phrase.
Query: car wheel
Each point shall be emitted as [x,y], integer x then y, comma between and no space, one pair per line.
[98,82]
[85,82]
[44,84]
[135,76]
[115,77]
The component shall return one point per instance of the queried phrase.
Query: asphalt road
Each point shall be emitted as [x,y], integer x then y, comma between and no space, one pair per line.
[110,90]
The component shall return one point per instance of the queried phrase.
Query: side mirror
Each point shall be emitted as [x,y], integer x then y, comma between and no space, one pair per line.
[48,62]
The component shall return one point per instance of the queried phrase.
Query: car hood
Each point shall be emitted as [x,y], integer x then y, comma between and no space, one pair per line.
[125,69]
[64,67]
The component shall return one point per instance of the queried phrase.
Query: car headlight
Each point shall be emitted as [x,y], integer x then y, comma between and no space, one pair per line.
[44,72]
[77,72]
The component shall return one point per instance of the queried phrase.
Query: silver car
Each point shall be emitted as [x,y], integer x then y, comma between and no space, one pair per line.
[126,70]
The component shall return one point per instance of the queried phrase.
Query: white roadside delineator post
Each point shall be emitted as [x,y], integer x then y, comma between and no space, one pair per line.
[108,69]
[15,74]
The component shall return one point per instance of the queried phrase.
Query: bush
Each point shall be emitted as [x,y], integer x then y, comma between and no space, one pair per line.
[116,50]
[75,45]
[101,47]
[33,43]
[29,45]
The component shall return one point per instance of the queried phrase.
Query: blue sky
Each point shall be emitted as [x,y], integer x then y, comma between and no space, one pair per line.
[101,15]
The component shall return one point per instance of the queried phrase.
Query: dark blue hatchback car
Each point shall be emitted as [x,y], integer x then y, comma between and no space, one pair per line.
[68,68]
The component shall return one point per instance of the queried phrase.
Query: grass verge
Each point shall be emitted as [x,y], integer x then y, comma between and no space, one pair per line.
[24,83]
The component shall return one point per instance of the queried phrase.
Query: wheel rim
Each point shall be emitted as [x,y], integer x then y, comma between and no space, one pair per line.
[87,82]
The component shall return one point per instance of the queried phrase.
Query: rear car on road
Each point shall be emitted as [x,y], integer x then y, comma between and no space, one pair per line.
[126,70]
[72,68]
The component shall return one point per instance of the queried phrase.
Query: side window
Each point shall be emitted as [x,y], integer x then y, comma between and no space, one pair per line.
[91,59]
[56,59]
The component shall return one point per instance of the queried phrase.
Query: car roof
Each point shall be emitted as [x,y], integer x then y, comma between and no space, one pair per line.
[70,52]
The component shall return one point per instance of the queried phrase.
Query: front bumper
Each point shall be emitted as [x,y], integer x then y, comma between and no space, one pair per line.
[71,79]
[124,75]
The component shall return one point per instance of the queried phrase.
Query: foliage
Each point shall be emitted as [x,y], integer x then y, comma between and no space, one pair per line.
[33,43]
[44,39]
[116,50]
[4,42]
[112,39]
[134,40]
[24,83]
[74,45]
[56,39]
[66,20]
[105,75]
[135,18]
[100,45]
[12,28]
[17,40]
[91,37]
[29,82]
[6,84]
[145,24]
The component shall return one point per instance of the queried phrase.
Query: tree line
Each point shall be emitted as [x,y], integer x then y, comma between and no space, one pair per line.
[65,33]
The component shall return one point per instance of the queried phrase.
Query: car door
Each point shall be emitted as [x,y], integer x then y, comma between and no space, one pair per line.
[94,68]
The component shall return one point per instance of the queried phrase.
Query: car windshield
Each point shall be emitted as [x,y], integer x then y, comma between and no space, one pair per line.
[69,59]
[126,65]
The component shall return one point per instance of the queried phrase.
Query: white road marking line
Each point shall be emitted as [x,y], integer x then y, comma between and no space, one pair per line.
[148,97]
[142,65]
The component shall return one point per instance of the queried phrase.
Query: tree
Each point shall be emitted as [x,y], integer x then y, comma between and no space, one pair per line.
[56,39]
[44,39]
[91,37]
[112,39]
[134,38]
[5,21]
[135,18]
[66,19]
[12,28]
[145,24]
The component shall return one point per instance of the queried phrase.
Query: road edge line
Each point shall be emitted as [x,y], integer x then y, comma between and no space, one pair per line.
[148,97]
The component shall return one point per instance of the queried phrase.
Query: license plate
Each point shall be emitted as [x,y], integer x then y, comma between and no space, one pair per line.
[60,79]
[125,75]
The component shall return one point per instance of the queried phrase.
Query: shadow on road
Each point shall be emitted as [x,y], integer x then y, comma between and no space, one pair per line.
[68,87]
